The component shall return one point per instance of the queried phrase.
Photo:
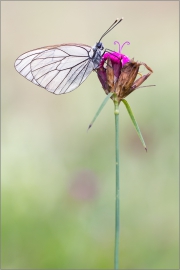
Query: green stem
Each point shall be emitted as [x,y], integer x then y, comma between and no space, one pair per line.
[117,203]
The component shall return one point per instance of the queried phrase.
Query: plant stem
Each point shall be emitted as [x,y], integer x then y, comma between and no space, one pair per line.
[117,203]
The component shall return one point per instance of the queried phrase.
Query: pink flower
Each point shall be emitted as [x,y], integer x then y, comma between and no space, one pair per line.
[118,60]
[117,73]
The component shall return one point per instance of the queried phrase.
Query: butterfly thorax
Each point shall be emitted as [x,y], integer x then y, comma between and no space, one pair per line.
[97,55]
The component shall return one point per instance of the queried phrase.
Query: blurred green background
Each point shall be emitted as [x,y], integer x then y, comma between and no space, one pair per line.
[58,181]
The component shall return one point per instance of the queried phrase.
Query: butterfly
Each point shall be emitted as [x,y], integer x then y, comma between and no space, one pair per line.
[62,68]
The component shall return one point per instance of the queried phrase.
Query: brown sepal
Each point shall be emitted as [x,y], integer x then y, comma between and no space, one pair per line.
[110,76]
[128,74]
[139,81]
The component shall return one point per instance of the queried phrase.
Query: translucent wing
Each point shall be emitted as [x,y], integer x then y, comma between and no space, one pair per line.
[59,69]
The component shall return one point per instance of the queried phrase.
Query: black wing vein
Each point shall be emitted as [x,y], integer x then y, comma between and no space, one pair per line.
[59,69]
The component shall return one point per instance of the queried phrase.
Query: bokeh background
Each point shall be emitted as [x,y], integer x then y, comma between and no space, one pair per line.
[58,181]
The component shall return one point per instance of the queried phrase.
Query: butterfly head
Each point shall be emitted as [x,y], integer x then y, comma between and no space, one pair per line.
[99,46]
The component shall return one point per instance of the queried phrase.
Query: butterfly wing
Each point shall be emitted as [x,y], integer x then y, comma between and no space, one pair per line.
[59,69]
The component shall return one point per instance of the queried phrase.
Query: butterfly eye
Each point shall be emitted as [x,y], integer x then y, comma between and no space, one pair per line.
[100,46]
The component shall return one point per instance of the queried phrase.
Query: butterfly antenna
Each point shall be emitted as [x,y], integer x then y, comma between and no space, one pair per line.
[117,21]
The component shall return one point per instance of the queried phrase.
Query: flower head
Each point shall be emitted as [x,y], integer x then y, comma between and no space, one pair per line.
[119,74]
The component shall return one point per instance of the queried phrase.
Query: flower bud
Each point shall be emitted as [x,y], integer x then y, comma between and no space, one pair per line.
[119,74]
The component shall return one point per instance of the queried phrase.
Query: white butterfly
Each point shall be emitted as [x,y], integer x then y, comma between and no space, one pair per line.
[61,68]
